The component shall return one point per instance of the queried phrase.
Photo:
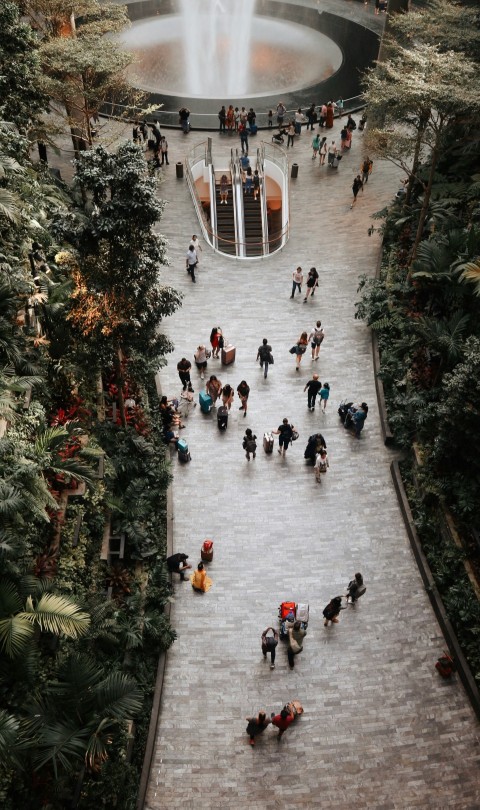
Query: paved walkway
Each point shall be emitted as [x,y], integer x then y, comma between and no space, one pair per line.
[381,729]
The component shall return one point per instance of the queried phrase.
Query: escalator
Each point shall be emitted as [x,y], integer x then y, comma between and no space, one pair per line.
[225,221]
[252,214]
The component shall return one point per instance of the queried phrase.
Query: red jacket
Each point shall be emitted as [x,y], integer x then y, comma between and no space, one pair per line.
[282,722]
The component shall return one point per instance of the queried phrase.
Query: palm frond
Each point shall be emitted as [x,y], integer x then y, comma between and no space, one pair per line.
[57,614]
[15,633]
[119,696]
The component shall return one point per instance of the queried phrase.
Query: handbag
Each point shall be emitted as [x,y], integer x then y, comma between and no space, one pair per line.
[293,350]
[270,359]
[295,435]
[208,354]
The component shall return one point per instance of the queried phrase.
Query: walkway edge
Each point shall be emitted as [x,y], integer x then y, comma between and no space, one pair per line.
[387,434]
[157,694]
[446,627]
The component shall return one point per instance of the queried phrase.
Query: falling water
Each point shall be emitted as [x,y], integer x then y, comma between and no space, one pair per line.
[216,46]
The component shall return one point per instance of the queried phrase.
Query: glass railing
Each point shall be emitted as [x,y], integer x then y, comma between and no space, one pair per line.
[209,121]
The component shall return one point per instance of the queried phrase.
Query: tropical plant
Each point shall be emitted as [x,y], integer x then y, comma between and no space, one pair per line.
[22,615]
[77,716]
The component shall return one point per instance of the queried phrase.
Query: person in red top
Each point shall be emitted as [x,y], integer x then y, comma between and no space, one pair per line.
[282,720]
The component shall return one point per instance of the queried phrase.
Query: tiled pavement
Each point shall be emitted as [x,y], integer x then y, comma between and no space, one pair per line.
[381,729]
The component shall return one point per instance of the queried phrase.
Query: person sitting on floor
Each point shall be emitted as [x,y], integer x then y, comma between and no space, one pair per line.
[199,579]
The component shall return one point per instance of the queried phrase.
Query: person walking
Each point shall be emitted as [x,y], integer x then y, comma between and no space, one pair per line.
[191,261]
[296,634]
[324,395]
[177,564]
[299,349]
[285,434]
[366,169]
[249,444]
[332,611]
[243,391]
[316,336]
[312,283]
[290,134]
[315,145]
[196,246]
[213,388]
[331,153]
[357,185]
[183,367]
[257,725]
[200,358]
[269,645]
[264,354]
[243,138]
[199,579]
[321,464]
[164,150]
[323,150]
[297,281]
[312,387]
[282,721]
[227,396]
[355,589]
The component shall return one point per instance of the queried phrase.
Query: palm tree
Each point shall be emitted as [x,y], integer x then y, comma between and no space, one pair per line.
[76,718]
[26,610]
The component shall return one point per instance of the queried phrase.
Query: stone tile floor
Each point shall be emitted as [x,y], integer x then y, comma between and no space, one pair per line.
[381,729]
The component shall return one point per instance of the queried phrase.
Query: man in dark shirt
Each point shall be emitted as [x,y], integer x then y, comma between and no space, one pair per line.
[264,354]
[183,368]
[313,386]
[177,564]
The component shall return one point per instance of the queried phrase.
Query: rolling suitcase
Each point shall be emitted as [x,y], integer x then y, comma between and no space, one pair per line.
[206,552]
[206,402]
[183,451]
[228,355]
[222,417]
[268,442]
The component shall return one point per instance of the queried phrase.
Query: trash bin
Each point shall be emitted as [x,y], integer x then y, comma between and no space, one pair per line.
[294,170]
[179,170]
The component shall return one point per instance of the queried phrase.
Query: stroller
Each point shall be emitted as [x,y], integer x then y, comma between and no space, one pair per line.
[314,445]
[279,136]
[347,411]
[289,612]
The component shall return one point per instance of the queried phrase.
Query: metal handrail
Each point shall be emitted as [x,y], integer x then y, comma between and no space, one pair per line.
[198,153]
[207,121]
[260,165]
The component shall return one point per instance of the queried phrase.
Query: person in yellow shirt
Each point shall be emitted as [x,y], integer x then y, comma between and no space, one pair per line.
[199,579]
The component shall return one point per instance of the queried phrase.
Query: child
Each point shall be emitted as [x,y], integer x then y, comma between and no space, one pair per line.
[321,464]
[249,444]
[270,119]
[315,146]
[324,394]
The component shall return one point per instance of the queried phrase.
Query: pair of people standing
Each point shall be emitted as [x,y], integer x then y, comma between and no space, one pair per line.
[297,281]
